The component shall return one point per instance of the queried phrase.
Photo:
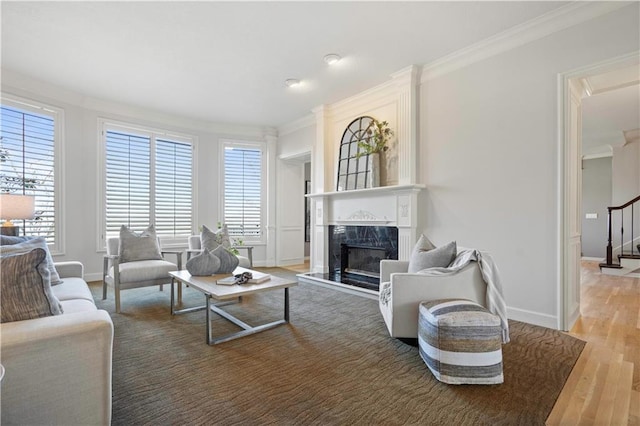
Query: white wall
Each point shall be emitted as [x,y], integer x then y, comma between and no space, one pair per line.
[596,197]
[294,149]
[80,162]
[489,155]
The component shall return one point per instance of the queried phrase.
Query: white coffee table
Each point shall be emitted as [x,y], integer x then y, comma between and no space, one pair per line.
[229,294]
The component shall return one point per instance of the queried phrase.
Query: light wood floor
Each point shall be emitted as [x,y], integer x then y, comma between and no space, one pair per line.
[604,386]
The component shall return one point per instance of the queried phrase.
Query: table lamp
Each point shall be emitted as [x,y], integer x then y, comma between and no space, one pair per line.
[15,207]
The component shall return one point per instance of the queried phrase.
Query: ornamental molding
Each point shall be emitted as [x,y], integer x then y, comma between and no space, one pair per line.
[362,216]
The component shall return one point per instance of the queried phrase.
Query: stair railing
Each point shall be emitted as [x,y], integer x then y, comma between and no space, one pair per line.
[631,203]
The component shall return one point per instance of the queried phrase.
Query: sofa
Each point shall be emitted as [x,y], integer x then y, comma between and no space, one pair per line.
[58,368]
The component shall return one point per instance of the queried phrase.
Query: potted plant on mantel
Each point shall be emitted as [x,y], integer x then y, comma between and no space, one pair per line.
[373,145]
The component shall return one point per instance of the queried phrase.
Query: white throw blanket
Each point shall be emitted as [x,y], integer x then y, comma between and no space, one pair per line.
[495,299]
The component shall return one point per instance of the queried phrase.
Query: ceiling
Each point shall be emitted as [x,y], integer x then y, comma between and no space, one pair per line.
[226,62]
[611,114]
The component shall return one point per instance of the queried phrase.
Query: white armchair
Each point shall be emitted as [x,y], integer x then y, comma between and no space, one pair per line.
[401,293]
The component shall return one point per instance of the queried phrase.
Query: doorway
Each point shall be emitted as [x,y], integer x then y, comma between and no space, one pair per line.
[573,87]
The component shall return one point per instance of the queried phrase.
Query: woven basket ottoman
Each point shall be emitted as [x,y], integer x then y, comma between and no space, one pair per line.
[461,342]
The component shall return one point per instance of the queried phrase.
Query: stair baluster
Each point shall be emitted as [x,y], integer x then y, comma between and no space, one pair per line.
[609,260]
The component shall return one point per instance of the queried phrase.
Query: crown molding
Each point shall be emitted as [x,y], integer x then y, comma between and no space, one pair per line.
[564,17]
[301,123]
[25,86]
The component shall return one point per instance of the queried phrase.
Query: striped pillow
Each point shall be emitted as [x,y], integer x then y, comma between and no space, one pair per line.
[25,283]
[460,341]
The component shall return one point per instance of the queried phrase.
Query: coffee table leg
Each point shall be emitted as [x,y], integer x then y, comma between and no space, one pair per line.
[207,299]
[286,304]
[173,280]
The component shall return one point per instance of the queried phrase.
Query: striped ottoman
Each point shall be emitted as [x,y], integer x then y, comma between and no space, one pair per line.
[461,342]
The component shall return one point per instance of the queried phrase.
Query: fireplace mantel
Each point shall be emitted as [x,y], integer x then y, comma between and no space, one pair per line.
[356,193]
[395,206]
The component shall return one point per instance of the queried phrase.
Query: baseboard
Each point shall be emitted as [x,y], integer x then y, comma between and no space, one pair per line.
[596,259]
[96,276]
[530,317]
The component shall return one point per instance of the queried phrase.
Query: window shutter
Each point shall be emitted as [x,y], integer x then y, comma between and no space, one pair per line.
[27,165]
[128,197]
[243,191]
[173,188]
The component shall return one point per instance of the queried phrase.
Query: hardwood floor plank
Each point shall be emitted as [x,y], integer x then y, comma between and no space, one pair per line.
[604,386]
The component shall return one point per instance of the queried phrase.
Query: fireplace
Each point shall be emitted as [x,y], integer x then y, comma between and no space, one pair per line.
[355,253]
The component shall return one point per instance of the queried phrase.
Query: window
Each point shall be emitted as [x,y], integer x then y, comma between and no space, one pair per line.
[148,179]
[29,140]
[243,198]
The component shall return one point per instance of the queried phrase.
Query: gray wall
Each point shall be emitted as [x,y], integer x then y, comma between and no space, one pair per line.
[596,197]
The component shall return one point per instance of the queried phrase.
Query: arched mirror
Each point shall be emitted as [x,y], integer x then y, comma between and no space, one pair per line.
[353,170]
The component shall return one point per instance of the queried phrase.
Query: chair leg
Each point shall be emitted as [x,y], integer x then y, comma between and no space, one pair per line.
[104,289]
[117,291]
[161,287]
[179,292]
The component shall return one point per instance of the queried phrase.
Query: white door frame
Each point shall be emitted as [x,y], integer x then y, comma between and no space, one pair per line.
[567,196]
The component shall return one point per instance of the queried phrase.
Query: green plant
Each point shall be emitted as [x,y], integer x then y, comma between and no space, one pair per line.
[377,136]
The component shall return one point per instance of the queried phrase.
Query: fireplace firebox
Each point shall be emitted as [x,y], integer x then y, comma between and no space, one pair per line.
[355,253]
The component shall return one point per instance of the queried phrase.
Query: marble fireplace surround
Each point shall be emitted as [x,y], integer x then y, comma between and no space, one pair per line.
[388,206]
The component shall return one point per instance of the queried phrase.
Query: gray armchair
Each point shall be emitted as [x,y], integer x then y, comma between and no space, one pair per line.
[142,273]
[402,292]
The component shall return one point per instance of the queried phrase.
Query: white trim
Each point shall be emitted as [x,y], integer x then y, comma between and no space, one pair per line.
[563,199]
[301,123]
[264,190]
[564,17]
[598,155]
[595,259]
[153,133]
[531,317]
[12,79]
[57,114]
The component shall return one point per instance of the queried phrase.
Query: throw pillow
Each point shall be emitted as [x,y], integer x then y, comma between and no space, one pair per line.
[142,246]
[228,261]
[26,287]
[421,246]
[206,263]
[211,240]
[24,244]
[440,257]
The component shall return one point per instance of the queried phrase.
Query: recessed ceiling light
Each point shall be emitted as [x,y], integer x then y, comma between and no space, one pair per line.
[332,58]
[292,82]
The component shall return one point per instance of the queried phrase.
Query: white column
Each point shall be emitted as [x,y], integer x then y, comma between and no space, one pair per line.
[406,81]
[270,252]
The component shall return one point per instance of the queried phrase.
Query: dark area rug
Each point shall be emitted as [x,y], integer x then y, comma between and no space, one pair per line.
[333,364]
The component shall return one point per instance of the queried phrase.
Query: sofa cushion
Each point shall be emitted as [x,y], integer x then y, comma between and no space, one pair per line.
[72,288]
[144,270]
[24,244]
[25,285]
[138,246]
[74,306]
[440,257]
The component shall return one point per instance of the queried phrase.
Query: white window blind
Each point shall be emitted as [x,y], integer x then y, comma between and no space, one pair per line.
[148,179]
[243,191]
[173,188]
[27,158]
[128,182]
